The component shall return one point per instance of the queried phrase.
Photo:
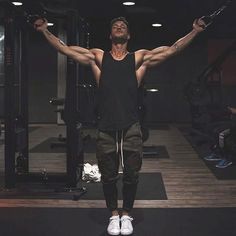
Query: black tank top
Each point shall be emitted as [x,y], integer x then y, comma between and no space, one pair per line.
[117,93]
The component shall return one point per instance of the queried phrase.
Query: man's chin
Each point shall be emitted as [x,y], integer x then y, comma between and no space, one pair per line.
[119,40]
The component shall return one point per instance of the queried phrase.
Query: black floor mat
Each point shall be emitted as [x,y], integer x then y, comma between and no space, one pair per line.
[159,151]
[33,128]
[90,147]
[150,187]
[93,222]
[53,145]
[47,146]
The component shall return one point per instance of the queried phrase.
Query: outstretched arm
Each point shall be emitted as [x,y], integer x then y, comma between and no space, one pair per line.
[79,54]
[160,54]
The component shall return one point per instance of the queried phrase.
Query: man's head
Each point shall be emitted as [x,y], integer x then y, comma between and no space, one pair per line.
[121,18]
[119,30]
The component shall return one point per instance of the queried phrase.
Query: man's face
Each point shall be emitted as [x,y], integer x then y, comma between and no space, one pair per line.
[119,32]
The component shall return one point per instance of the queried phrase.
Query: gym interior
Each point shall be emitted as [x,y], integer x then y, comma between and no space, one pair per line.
[48,119]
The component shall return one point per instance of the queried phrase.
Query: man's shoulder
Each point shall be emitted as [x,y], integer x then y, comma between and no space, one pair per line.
[98,54]
[141,52]
[96,51]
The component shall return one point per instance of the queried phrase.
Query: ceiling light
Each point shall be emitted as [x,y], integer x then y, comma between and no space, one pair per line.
[17,3]
[129,3]
[50,24]
[153,90]
[156,25]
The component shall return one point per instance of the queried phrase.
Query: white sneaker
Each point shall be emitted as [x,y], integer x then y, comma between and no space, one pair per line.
[126,225]
[114,225]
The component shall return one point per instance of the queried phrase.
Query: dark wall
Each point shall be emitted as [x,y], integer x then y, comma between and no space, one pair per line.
[217,47]
[169,103]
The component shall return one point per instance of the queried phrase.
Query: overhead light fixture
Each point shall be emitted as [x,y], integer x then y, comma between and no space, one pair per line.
[50,24]
[153,90]
[17,3]
[156,25]
[129,3]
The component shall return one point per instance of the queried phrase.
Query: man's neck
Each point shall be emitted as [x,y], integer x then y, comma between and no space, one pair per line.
[119,51]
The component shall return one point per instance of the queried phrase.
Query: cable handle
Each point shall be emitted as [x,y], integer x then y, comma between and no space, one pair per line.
[209,18]
[32,18]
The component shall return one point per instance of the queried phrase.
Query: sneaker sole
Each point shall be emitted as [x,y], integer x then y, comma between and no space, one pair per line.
[215,159]
[126,233]
[222,167]
[113,233]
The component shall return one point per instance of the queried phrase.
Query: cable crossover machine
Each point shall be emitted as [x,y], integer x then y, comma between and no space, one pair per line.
[16,27]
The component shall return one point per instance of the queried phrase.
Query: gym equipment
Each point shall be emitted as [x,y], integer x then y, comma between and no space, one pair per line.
[16,107]
[15,97]
[210,18]
[59,102]
[204,93]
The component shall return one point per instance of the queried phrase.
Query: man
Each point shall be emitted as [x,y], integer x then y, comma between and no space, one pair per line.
[224,142]
[118,74]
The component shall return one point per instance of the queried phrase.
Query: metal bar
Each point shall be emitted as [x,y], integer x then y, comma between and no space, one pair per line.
[24,96]
[70,103]
[9,61]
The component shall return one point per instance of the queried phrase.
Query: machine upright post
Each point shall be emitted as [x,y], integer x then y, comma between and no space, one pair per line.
[10,76]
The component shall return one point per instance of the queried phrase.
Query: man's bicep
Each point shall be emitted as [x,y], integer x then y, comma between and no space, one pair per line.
[79,57]
[154,53]
[158,55]
[160,49]
[82,51]
[78,49]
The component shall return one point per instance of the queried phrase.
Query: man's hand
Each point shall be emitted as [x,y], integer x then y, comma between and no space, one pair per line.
[40,24]
[232,110]
[199,25]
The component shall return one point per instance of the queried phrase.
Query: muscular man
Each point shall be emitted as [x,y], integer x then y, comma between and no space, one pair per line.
[118,74]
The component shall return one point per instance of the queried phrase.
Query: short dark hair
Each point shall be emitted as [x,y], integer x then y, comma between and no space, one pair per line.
[120,18]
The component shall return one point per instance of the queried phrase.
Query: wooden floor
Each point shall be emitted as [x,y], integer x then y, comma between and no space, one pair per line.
[188,182]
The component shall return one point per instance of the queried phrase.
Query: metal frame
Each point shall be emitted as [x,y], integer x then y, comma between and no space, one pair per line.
[16,123]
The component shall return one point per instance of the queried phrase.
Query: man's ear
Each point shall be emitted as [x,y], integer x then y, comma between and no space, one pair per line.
[110,37]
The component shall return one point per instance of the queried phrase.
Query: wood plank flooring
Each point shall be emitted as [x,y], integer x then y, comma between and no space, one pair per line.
[188,181]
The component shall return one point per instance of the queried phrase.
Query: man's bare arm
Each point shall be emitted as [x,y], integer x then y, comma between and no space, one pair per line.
[79,54]
[160,54]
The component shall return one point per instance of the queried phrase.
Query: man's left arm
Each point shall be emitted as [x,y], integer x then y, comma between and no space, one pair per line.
[160,54]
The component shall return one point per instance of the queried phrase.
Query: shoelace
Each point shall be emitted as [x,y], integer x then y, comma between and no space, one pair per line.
[126,219]
[114,218]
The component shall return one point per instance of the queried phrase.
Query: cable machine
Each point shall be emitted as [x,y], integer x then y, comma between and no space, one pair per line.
[15,97]
[16,105]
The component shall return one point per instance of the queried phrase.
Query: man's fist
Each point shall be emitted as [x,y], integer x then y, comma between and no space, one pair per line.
[40,24]
[199,25]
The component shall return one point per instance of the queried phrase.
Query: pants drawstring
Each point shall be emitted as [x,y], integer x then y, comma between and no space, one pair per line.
[117,143]
[121,146]
[121,150]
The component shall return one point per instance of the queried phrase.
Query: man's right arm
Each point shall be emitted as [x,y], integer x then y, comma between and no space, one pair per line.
[79,54]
